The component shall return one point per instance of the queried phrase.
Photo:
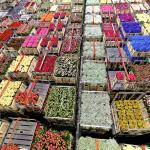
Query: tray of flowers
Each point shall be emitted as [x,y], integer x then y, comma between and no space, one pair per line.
[14,45]
[93,19]
[111,34]
[44,68]
[21,67]
[92,2]
[71,45]
[51,139]
[95,111]
[134,147]
[130,29]
[5,61]
[122,8]
[108,12]
[60,17]
[7,101]
[98,144]
[77,9]
[93,75]
[94,9]
[127,17]
[32,98]
[130,117]
[30,45]
[60,105]
[93,50]
[114,60]
[25,29]
[76,17]
[142,17]
[89,32]
[141,7]
[66,70]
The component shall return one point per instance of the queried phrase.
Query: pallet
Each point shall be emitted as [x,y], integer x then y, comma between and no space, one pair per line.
[24,133]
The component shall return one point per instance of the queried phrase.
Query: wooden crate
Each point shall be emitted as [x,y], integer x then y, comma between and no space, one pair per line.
[3,129]
[41,89]
[130,131]
[24,134]
[23,75]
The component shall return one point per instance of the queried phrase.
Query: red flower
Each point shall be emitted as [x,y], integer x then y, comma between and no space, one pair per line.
[44,41]
[15,25]
[48,65]
[5,36]
[54,41]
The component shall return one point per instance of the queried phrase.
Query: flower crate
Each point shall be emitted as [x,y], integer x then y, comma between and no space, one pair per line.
[146,28]
[24,29]
[130,117]
[52,44]
[47,17]
[92,9]
[93,75]
[71,45]
[92,2]
[142,17]
[106,2]
[89,32]
[51,139]
[74,30]
[23,135]
[93,19]
[40,91]
[117,83]
[139,46]
[66,70]
[130,29]
[61,110]
[89,143]
[45,71]
[74,26]
[122,8]
[7,101]
[15,25]
[4,125]
[93,103]
[111,34]
[60,17]
[93,50]
[14,45]
[141,7]
[76,17]
[79,2]
[42,31]
[114,60]
[64,8]
[24,70]
[128,17]
[5,61]
[134,147]
[141,72]
[30,45]
[108,13]
[6,35]
[77,9]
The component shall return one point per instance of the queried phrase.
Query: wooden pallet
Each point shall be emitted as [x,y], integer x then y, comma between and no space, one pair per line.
[24,133]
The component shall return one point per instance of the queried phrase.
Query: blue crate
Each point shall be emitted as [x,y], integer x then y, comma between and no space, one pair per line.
[140,43]
[130,56]
[131,27]
[139,38]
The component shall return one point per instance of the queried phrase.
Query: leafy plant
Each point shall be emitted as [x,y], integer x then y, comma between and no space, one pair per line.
[61,102]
